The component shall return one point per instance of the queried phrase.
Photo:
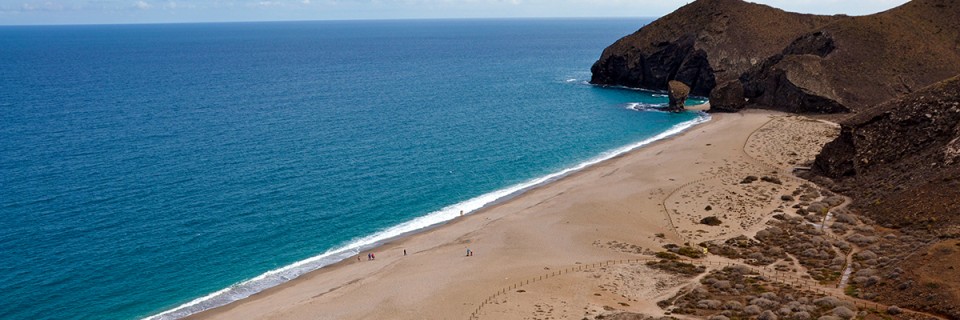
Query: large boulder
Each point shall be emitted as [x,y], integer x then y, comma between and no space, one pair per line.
[727,97]
[678,95]
[793,79]
[794,84]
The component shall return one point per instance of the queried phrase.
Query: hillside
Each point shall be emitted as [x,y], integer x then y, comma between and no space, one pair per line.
[701,44]
[733,50]
[901,162]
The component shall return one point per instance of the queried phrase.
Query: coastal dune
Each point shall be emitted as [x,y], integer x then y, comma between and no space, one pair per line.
[614,210]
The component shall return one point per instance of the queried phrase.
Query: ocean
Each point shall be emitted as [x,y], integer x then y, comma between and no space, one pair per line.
[160,170]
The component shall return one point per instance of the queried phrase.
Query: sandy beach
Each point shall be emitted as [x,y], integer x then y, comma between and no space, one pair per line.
[617,209]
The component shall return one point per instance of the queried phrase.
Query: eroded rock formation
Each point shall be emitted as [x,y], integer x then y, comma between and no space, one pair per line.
[899,163]
[728,97]
[677,93]
[900,160]
[789,61]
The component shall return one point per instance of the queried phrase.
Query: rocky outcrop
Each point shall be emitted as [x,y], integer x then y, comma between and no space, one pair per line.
[900,161]
[700,44]
[792,80]
[727,97]
[677,60]
[899,164]
[677,93]
[788,61]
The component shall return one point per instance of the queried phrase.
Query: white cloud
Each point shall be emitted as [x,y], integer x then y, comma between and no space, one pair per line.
[142,5]
[42,6]
[269,4]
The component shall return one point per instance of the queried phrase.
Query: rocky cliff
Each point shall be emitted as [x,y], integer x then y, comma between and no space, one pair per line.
[901,164]
[740,54]
[901,161]
[700,44]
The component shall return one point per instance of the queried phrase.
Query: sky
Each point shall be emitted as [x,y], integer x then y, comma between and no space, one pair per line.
[20,12]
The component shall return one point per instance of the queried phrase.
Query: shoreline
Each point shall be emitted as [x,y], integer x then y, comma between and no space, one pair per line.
[452,237]
[383,239]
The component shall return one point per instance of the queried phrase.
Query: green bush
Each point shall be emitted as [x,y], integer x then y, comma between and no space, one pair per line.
[690,252]
[667,255]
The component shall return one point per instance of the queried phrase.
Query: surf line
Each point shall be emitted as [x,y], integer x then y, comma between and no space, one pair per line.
[289,272]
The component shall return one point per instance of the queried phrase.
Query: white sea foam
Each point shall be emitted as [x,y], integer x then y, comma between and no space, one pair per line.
[277,276]
[654,93]
[640,106]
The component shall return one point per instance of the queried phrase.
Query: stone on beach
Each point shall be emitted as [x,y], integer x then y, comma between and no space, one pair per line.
[677,93]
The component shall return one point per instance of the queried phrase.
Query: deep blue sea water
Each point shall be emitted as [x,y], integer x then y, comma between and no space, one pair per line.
[145,166]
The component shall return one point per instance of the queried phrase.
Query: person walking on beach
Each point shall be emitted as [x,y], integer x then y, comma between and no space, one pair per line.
[404,251]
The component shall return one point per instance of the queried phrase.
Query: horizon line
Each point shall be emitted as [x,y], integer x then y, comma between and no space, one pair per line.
[324,20]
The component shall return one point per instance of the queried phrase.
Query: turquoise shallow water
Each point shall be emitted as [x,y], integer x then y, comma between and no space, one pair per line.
[143,167]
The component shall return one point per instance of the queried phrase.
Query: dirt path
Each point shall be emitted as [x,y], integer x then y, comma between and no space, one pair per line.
[751,162]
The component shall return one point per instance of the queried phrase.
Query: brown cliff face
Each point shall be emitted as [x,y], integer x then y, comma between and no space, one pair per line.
[901,161]
[901,164]
[700,44]
[793,80]
[877,57]
[788,61]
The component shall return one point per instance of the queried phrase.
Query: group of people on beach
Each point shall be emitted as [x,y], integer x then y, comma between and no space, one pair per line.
[371,256]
